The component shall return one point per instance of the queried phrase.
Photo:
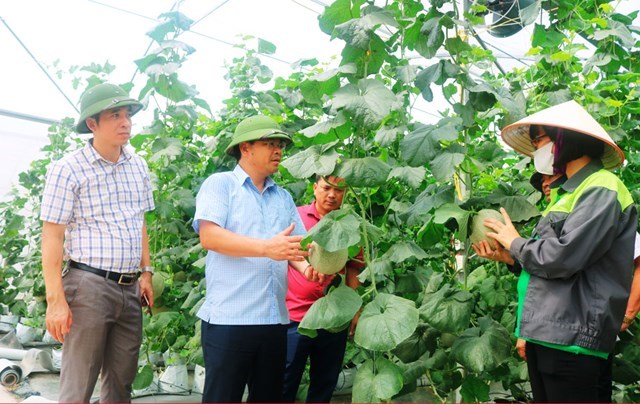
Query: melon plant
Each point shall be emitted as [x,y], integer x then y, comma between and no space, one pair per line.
[479,230]
[327,262]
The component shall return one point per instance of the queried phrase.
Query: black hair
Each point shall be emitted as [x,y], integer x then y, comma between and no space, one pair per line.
[235,152]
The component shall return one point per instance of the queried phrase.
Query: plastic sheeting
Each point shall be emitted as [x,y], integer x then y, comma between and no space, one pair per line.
[10,373]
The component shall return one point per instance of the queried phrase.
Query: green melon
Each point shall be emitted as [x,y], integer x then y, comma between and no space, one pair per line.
[479,230]
[158,283]
[327,262]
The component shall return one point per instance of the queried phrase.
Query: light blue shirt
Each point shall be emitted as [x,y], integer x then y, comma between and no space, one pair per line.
[245,290]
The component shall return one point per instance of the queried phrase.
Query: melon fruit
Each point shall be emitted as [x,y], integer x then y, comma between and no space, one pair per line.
[479,230]
[327,262]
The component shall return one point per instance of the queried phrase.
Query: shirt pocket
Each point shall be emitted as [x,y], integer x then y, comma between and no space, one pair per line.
[278,214]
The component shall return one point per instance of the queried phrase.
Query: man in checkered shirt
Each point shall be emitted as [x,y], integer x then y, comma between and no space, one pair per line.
[93,209]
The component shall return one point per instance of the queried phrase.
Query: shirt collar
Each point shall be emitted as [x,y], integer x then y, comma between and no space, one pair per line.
[242,177]
[313,211]
[93,156]
[570,184]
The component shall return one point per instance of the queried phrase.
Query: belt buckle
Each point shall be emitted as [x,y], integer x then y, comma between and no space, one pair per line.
[126,280]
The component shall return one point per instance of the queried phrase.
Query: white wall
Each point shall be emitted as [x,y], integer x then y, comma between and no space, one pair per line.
[20,144]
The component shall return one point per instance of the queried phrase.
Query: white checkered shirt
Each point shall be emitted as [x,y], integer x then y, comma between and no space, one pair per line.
[102,205]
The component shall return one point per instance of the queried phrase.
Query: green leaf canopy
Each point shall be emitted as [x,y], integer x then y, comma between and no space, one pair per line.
[423,339]
[332,311]
[376,381]
[447,309]
[364,172]
[336,230]
[368,103]
[482,348]
[385,322]
[423,144]
[317,159]
[404,250]
[450,211]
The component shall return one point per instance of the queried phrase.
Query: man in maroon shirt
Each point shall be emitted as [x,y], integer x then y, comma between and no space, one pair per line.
[326,350]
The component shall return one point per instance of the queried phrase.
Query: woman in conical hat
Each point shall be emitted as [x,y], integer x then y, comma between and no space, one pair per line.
[569,116]
[577,267]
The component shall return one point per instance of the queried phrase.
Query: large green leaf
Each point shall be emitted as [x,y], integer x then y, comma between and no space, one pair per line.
[474,390]
[517,206]
[358,31]
[618,30]
[336,230]
[422,145]
[338,12]
[144,378]
[404,250]
[174,21]
[413,176]
[166,147]
[368,103]
[450,211]
[269,103]
[409,282]
[331,311]
[184,199]
[387,135]
[483,348]
[432,197]
[292,98]
[315,160]
[368,61]
[349,68]
[380,267]
[326,126]
[376,381]
[446,163]
[432,37]
[418,147]
[314,91]
[266,47]
[364,172]
[448,309]
[407,73]
[385,322]
[423,339]
[170,87]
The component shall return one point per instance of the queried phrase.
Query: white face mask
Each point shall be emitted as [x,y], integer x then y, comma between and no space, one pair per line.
[543,159]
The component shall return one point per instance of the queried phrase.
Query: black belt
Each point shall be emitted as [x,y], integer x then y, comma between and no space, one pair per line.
[122,279]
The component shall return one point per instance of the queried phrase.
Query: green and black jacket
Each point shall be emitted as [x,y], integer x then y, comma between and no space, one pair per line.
[578,266]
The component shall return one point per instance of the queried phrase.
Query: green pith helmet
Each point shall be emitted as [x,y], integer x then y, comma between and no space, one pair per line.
[102,97]
[257,127]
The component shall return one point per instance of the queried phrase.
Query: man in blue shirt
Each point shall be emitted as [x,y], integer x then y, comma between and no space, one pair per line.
[251,229]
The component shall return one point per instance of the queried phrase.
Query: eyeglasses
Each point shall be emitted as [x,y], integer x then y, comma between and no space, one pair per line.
[536,140]
[272,144]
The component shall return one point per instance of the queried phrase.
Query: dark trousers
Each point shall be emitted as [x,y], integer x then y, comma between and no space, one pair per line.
[326,353]
[239,355]
[104,338]
[559,376]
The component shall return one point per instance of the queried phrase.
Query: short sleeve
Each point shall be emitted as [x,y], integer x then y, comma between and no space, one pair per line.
[212,202]
[58,195]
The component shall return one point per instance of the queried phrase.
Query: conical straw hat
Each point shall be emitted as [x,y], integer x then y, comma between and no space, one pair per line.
[568,115]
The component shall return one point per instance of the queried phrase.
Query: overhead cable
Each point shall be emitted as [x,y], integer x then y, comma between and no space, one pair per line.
[38,63]
[210,12]
[190,31]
